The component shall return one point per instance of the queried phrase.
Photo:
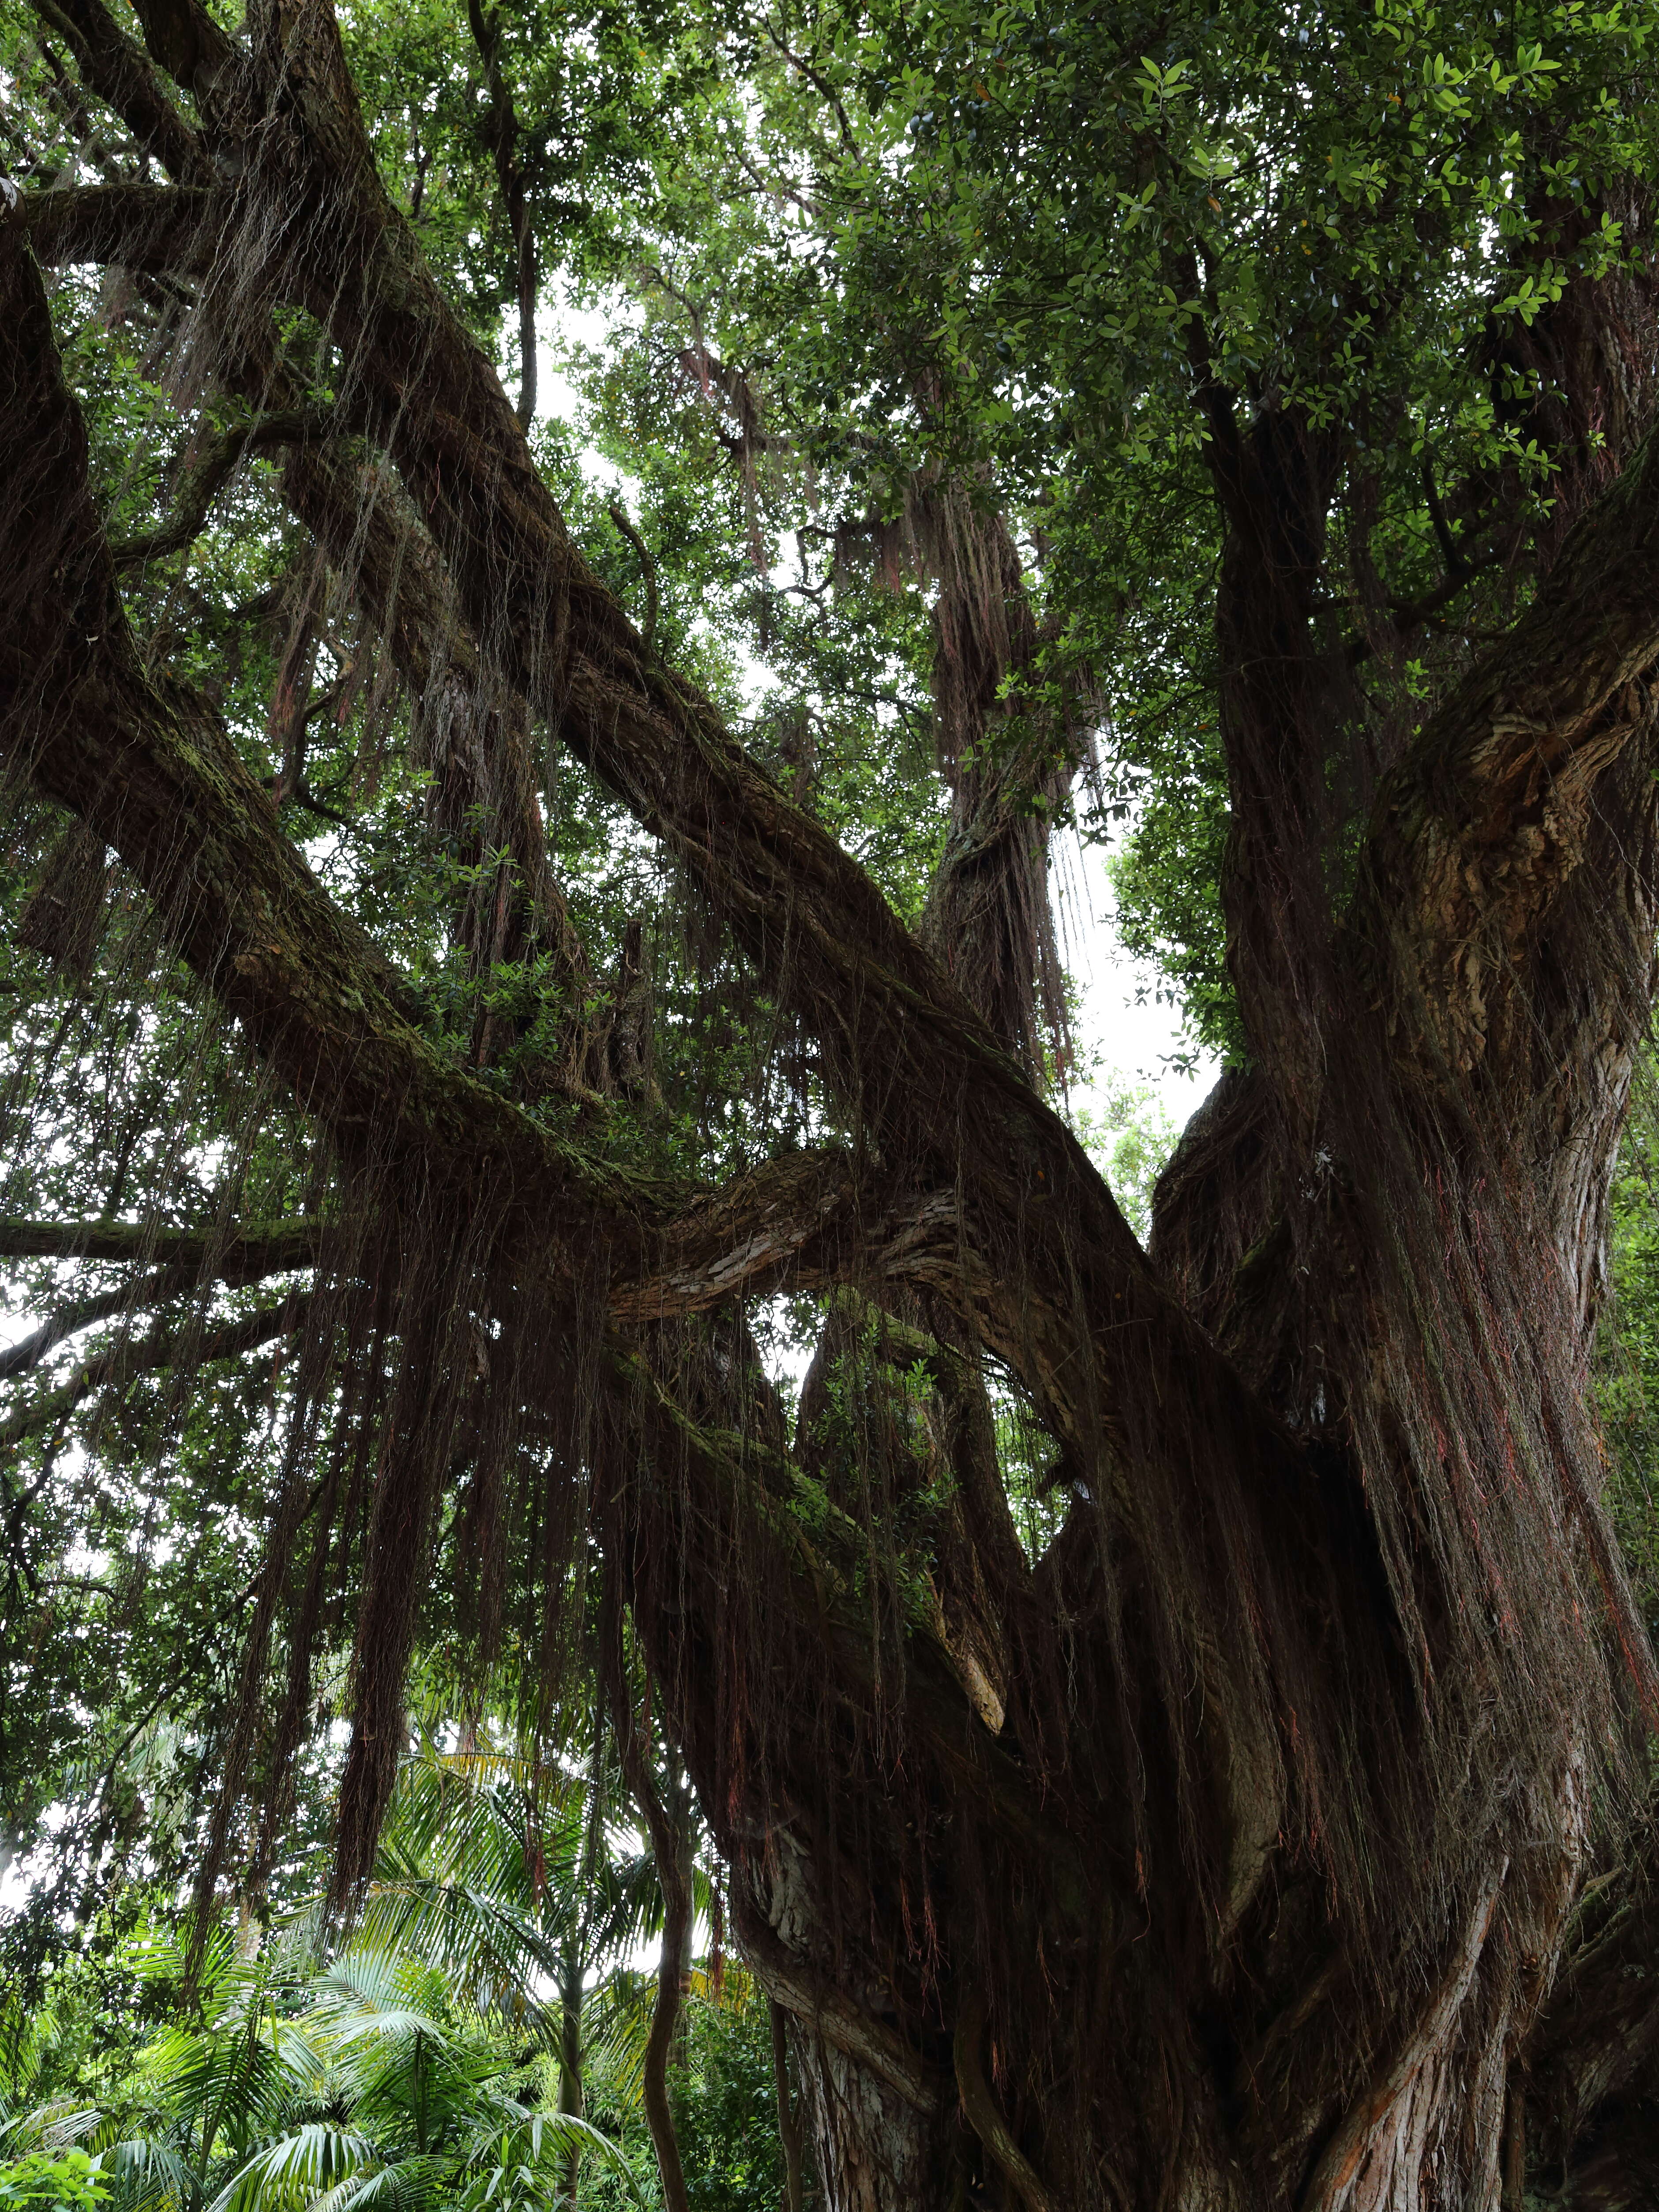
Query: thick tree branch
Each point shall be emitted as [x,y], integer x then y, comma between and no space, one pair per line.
[745,1485]
[759,854]
[160,1288]
[897,1036]
[1490,813]
[160,782]
[164,787]
[27,1354]
[165,229]
[242,1257]
[187,42]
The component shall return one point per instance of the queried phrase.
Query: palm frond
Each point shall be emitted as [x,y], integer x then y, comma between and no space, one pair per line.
[617,2022]
[144,2174]
[48,2126]
[517,2165]
[290,2174]
[488,1950]
[405,2186]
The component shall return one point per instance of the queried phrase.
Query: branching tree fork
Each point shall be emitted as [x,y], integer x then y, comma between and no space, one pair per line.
[1232,1852]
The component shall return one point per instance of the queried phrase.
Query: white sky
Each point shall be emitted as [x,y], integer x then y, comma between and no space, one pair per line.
[1119,1017]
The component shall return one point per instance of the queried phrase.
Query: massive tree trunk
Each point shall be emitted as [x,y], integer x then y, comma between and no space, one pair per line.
[1228,1853]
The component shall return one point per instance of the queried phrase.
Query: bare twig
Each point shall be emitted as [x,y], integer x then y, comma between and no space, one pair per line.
[649,567]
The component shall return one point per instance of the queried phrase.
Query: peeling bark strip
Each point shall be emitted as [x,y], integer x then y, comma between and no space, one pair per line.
[1489,814]
[983,2117]
[1335,2176]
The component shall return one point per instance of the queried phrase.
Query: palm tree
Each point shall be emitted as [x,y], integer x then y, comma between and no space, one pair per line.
[511,1873]
[498,1940]
[371,2084]
[394,2104]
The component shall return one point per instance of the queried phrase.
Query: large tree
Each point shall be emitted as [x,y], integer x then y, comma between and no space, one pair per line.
[1176,1721]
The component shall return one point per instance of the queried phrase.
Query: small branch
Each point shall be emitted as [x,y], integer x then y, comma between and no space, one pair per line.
[648,565]
[1457,566]
[502,133]
[775,189]
[824,90]
[1408,614]
[207,479]
[828,2012]
[22,1358]
[89,145]
[303,795]
[288,716]
[651,271]
[243,1263]
[123,1364]
[1411,615]
[1215,400]
[525,273]
[117,69]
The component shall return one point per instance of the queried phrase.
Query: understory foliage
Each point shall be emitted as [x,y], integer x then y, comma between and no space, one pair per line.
[650,1539]
[419,2061]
